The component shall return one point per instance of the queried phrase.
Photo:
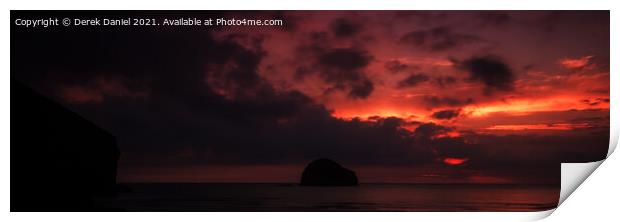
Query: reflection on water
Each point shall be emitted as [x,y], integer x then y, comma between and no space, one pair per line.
[366,197]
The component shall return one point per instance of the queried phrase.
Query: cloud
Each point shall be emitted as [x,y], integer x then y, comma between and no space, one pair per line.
[413,80]
[596,101]
[395,66]
[96,90]
[444,81]
[343,68]
[578,63]
[491,71]
[437,39]
[361,90]
[513,151]
[427,131]
[342,27]
[344,58]
[210,99]
[436,101]
[446,114]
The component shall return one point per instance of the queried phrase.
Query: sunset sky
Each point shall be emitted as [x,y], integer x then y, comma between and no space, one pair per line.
[397,96]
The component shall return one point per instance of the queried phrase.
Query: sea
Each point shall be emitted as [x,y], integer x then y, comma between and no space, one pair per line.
[252,197]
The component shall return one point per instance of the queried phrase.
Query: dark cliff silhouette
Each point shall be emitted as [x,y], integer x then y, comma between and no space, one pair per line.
[325,172]
[59,160]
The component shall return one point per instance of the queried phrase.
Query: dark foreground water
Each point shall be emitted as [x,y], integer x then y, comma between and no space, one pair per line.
[366,197]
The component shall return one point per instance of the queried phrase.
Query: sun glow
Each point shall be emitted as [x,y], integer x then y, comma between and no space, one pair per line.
[454,161]
[525,106]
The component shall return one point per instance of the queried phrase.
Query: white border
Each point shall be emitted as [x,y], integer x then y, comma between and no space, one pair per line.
[581,209]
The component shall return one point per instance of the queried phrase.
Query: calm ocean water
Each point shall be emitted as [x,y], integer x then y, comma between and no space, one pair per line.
[366,197]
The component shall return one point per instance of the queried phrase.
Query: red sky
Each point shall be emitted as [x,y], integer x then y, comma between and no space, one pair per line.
[493,89]
[555,70]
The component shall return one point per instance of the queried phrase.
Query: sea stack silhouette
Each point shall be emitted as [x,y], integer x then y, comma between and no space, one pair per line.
[59,160]
[326,172]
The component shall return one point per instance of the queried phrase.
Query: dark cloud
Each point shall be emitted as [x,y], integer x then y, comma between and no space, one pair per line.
[446,114]
[301,72]
[342,68]
[206,96]
[453,147]
[345,58]
[594,102]
[600,122]
[395,66]
[435,101]
[512,150]
[438,39]
[238,77]
[413,80]
[361,89]
[605,100]
[493,18]
[342,27]
[444,81]
[427,131]
[490,70]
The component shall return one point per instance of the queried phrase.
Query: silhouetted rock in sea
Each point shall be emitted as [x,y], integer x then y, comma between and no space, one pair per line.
[59,160]
[325,172]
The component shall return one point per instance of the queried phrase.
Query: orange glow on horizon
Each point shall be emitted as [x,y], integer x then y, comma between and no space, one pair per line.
[451,134]
[522,107]
[365,115]
[525,106]
[560,126]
